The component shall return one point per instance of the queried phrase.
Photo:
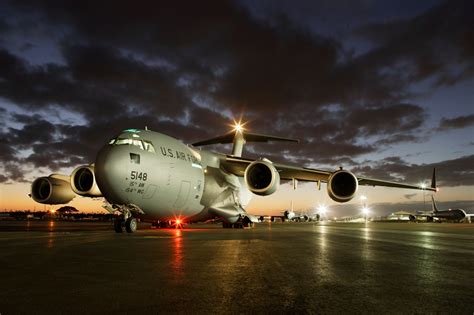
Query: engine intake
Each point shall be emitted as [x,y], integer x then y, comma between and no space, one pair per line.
[262,178]
[83,181]
[342,186]
[54,189]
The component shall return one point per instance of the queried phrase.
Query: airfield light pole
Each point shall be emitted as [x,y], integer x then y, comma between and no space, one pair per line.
[423,186]
[363,200]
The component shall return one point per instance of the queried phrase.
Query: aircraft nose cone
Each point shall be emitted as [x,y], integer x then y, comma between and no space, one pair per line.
[111,170]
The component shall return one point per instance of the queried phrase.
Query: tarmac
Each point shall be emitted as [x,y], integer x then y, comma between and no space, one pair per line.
[303,268]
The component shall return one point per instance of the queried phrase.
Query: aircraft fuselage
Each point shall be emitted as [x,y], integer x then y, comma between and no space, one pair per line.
[450,215]
[164,177]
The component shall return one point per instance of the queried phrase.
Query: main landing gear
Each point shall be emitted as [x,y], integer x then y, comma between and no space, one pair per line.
[125,222]
[121,225]
[168,224]
[242,223]
[161,224]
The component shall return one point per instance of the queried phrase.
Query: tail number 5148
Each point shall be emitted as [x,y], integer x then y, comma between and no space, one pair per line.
[138,175]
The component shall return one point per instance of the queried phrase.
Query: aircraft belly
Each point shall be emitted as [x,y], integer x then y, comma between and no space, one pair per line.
[224,195]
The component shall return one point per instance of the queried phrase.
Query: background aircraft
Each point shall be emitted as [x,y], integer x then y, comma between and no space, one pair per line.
[155,177]
[453,215]
[456,215]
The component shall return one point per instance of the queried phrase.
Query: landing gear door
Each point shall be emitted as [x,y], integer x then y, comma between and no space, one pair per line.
[183,195]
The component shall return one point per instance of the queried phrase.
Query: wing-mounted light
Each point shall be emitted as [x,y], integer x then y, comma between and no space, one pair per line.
[52,190]
[83,181]
[342,186]
[262,178]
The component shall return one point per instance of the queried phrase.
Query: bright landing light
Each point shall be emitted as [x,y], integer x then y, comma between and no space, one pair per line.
[178,223]
[322,210]
[365,210]
[238,126]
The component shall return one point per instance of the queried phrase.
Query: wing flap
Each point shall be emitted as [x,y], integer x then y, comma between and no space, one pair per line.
[377,182]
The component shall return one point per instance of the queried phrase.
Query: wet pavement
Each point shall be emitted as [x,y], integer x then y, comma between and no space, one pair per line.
[84,268]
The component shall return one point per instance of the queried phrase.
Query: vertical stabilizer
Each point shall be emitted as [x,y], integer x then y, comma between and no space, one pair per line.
[435,208]
[238,142]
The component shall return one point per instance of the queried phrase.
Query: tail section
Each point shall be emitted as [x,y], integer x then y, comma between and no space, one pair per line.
[433,180]
[433,202]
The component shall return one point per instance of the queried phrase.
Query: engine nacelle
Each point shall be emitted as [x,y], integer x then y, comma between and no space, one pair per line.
[83,181]
[342,186]
[53,190]
[262,178]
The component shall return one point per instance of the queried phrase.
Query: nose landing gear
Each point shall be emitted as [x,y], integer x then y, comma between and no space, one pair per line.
[121,225]
[242,223]
[125,221]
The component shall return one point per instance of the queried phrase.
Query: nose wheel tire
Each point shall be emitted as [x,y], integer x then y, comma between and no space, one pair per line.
[131,225]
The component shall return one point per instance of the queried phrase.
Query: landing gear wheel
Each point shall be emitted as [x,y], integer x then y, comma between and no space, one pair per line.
[165,224]
[247,223]
[131,225]
[118,225]
[226,225]
[238,225]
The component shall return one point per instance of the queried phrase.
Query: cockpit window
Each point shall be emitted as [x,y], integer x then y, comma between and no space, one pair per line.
[142,144]
[149,146]
[138,143]
[123,141]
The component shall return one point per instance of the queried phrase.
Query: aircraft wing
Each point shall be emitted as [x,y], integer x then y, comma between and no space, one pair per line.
[237,166]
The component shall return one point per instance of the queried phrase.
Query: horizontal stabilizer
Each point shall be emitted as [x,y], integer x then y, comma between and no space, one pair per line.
[248,137]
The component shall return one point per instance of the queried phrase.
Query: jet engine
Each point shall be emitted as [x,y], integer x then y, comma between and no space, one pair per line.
[342,186]
[54,189]
[83,181]
[262,178]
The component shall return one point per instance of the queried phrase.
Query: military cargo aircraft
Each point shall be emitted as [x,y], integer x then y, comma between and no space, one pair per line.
[149,175]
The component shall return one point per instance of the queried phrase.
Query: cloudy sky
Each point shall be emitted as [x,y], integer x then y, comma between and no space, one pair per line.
[384,88]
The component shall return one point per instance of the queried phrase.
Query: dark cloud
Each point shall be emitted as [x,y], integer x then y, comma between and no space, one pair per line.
[14,172]
[3,26]
[35,129]
[7,151]
[435,44]
[457,122]
[182,69]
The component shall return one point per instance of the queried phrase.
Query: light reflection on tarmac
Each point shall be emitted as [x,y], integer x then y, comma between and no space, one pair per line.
[59,267]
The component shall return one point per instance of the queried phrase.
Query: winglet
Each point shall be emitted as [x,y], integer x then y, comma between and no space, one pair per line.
[433,180]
